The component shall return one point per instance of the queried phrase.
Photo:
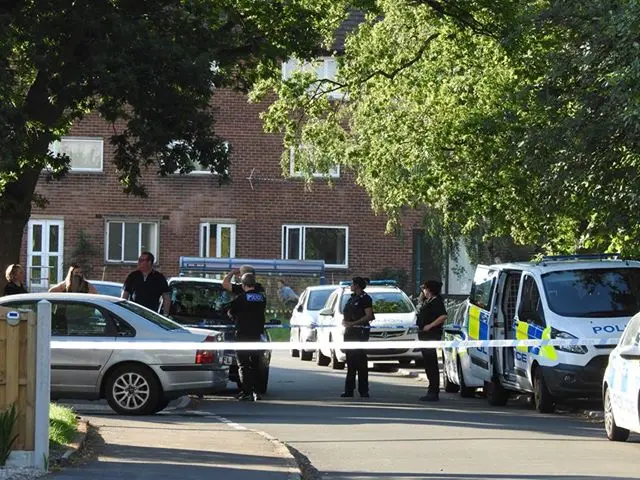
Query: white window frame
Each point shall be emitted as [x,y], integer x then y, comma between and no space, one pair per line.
[154,249]
[42,283]
[326,68]
[55,149]
[205,229]
[303,239]
[334,172]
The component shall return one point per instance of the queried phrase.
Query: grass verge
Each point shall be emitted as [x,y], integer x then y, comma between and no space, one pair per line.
[280,334]
[62,425]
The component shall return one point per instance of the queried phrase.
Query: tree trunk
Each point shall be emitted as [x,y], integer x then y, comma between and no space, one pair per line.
[15,210]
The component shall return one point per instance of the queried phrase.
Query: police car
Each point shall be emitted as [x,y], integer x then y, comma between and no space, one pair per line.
[395,320]
[621,385]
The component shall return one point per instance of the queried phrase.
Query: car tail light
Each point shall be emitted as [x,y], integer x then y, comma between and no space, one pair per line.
[204,357]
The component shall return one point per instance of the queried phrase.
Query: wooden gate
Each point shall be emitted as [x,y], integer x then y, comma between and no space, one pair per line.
[18,372]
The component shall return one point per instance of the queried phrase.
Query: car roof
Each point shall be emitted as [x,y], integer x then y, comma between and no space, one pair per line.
[58,296]
[195,280]
[563,265]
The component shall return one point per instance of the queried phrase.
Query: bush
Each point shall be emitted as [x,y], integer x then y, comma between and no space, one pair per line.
[8,420]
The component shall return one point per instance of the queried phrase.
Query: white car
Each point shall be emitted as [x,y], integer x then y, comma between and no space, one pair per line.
[305,317]
[458,376]
[395,320]
[134,382]
[621,385]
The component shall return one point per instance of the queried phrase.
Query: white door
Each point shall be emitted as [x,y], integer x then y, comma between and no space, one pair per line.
[45,242]
[478,320]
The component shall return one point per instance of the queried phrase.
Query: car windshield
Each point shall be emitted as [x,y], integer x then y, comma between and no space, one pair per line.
[594,293]
[317,299]
[385,302]
[153,317]
[107,289]
[198,300]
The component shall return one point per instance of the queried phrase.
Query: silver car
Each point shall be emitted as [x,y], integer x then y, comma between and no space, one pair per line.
[134,382]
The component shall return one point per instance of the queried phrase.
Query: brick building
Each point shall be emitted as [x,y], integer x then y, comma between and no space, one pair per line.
[260,214]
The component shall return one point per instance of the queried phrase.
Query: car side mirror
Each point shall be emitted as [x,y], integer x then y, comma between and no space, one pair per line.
[631,352]
[325,311]
[299,308]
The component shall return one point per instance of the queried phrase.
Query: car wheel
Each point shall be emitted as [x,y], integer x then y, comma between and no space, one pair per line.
[322,359]
[614,432]
[465,392]
[294,353]
[543,401]
[133,390]
[306,356]
[335,364]
[496,394]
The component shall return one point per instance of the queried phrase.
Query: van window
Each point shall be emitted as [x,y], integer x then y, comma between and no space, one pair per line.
[192,300]
[593,293]
[531,310]
[482,288]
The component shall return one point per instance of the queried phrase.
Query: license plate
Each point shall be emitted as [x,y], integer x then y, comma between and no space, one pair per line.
[227,360]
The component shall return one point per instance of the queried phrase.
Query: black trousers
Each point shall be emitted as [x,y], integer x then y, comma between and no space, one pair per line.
[430,356]
[357,363]
[248,362]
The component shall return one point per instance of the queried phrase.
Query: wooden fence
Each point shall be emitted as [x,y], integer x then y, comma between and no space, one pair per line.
[18,372]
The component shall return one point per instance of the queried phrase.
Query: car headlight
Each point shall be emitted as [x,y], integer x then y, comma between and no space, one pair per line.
[579,349]
[412,330]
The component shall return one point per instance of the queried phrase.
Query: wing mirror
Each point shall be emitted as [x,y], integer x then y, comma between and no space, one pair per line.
[299,308]
[631,352]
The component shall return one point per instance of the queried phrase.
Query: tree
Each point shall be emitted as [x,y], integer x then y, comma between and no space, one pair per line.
[149,67]
[516,118]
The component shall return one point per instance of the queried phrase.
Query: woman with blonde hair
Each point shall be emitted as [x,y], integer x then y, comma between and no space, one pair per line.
[74,282]
[15,280]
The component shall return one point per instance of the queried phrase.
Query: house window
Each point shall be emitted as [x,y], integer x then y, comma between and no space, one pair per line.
[86,153]
[334,172]
[218,240]
[316,242]
[198,168]
[326,68]
[127,239]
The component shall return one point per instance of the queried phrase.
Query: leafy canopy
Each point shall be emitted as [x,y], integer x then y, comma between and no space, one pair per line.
[516,118]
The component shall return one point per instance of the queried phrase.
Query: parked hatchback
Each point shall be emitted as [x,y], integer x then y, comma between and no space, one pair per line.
[621,385]
[304,318]
[134,381]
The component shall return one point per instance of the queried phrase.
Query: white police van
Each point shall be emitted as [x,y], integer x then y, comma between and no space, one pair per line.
[575,296]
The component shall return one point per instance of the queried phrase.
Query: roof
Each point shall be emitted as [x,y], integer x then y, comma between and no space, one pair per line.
[354,18]
[562,265]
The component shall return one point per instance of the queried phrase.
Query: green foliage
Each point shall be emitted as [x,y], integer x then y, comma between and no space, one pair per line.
[504,119]
[388,273]
[8,420]
[63,424]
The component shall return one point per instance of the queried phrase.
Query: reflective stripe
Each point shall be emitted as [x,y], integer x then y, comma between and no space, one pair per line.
[478,323]
[525,331]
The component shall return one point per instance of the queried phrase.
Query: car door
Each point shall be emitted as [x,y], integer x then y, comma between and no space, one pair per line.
[298,314]
[76,371]
[625,389]
[479,320]
[325,323]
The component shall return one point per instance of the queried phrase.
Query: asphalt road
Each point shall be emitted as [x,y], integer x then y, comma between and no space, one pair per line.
[394,436]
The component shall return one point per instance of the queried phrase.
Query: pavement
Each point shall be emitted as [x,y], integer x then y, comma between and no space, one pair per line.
[185,444]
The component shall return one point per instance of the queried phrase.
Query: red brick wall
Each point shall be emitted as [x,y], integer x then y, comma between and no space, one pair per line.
[84,200]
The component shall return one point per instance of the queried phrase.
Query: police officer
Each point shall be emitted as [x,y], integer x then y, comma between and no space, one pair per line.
[248,313]
[431,317]
[358,313]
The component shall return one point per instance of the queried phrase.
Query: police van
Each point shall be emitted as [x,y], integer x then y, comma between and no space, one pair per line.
[563,297]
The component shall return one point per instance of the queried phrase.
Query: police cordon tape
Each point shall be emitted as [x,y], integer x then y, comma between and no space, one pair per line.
[340,345]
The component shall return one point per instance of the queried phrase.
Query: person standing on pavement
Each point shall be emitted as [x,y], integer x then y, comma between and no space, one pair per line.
[248,313]
[15,280]
[431,317]
[358,313]
[147,286]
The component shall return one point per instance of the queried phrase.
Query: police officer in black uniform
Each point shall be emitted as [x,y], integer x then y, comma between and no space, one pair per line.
[358,313]
[431,316]
[248,313]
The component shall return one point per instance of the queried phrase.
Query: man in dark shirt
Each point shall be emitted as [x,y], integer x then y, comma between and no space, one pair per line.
[358,313]
[431,317]
[248,313]
[146,286]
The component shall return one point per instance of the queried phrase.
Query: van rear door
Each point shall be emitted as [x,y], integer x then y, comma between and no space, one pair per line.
[479,319]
